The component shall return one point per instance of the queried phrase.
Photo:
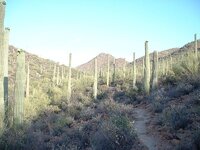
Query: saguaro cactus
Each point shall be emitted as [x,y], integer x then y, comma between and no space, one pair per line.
[95,79]
[134,71]
[147,70]
[2,109]
[58,76]
[108,71]
[195,45]
[124,69]
[6,47]
[62,72]
[2,14]
[113,75]
[69,79]
[143,68]
[19,88]
[54,74]
[155,71]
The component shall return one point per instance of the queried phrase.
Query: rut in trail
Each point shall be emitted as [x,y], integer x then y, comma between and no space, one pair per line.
[142,117]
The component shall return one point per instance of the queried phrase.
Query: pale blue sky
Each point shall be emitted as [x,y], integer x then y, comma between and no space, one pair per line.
[54,28]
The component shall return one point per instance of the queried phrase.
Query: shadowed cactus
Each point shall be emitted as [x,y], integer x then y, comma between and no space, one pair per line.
[143,68]
[19,88]
[69,79]
[6,47]
[155,71]
[54,74]
[95,79]
[147,70]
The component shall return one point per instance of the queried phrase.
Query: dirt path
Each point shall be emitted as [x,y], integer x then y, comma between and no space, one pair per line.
[142,117]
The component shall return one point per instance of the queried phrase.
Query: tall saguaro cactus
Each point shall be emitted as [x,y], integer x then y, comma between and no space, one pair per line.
[124,69]
[95,79]
[69,79]
[54,74]
[147,70]
[2,14]
[195,45]
[155,71]
[114,68]
[2,105]
[6,47]
[58,76]
[108,71]
[134,71]
[19,88]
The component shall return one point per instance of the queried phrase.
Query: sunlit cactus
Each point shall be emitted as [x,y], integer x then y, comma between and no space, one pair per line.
[2,104]
[124,69]
[134,71]
[2,14]
[54,74]
[69,79]
[147,70]
[62,72]
[19,88]
[95,79]
[58,76]
[155,71]
[113,74]
[108,71]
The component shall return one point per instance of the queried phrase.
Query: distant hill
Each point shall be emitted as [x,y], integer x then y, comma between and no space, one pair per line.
[102,60]
[39,67]
[102,57]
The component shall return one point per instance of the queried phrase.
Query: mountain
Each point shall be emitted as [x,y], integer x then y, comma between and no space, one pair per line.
[102,60]
[39,67]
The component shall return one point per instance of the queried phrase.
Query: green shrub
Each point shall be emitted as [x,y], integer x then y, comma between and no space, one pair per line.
[55,94]
[112,134]
[177,117]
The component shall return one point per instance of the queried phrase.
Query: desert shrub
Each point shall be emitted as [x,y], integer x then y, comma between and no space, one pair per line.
[12,139]
[74,111]
[102,95]
[170,79]
[180,90]
[55,94]
[177,117]
[35,105]
[158,107]
[118,94]
[114,133]
[196,139]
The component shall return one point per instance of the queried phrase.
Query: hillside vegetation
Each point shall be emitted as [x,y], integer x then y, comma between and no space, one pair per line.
[108,121]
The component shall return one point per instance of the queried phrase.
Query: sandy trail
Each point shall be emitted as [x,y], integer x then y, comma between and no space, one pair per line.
[140,124]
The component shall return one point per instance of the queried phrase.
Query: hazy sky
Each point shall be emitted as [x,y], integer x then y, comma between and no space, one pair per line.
[54,28]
